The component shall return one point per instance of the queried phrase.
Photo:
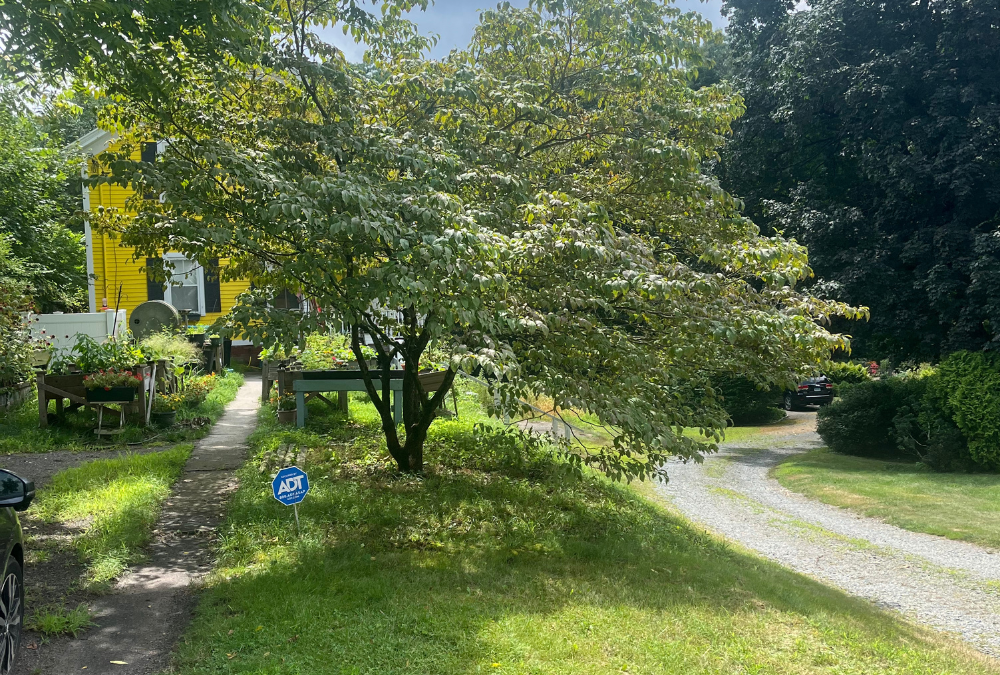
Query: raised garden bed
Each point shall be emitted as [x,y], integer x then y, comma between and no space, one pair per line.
[345,374]
[112,395]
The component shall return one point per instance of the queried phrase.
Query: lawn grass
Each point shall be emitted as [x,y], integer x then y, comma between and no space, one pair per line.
[498,560]
[954,505]
[19,430]
[118,500]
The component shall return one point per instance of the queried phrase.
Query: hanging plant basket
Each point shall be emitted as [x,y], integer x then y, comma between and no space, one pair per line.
[112,395]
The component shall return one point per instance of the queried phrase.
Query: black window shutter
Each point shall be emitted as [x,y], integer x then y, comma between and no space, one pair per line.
[154,289]
[148,155]
[213,288]
[149,152]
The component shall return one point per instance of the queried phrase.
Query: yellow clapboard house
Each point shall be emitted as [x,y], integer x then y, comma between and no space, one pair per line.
[113,270]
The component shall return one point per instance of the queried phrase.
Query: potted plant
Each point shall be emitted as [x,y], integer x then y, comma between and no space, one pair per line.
[196,334]
[286,409]
[165,406]
[216,340]
[107,386]
[328,356]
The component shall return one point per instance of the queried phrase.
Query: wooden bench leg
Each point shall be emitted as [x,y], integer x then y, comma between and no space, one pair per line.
[342,401]
[43,402]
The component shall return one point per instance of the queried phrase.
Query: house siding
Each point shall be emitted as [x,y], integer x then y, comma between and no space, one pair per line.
[115,267]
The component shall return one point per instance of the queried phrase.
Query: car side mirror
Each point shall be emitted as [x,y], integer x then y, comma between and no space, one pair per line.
[15,492]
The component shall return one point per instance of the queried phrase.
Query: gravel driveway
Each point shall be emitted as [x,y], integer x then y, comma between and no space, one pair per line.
[950,585]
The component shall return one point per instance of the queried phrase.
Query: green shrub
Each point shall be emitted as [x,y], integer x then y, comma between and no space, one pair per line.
[862,421]
[842,372]
[967,390]
[746,403]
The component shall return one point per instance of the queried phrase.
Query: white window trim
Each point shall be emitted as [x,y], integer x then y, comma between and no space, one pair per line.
[198,270]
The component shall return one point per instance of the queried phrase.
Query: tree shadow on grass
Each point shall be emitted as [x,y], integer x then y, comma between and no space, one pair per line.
[517,571]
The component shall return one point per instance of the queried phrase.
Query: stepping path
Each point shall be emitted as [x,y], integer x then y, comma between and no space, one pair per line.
[950,585]
[141,620]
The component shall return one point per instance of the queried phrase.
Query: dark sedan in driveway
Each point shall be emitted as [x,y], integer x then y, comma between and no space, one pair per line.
[15,495]
[814,391]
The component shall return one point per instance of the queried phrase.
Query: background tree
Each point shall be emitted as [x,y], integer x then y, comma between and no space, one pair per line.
[39,207]
[535,206]
[871,137]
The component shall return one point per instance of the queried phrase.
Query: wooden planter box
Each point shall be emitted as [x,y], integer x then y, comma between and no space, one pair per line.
[112,395]
[433,380]
[16,396]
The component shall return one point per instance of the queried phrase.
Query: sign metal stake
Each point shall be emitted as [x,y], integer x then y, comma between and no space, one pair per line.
[290,486]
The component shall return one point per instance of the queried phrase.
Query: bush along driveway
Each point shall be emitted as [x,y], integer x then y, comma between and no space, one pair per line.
[949,585]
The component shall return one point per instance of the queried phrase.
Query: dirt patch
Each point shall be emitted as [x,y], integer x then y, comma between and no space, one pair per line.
[53,570]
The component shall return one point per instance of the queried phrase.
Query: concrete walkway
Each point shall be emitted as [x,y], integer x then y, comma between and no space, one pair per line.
[140,622]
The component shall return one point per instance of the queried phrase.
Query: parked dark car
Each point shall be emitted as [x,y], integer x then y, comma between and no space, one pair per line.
[814,391]
[15,495]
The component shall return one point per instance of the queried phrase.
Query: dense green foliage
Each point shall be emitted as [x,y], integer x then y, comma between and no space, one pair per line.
[862,421]
[15,363]
[39,203]
[844,372]
[871,137]
[967,390]
[747,403]
[948,418]
[492,204]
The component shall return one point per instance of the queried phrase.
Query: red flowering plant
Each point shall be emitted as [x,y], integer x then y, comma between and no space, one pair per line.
[106,379]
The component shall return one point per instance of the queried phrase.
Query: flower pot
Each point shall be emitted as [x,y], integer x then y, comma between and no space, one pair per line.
[216,341]
[286,416]
[40,358]
[196,338]
[163,419]
[111,395]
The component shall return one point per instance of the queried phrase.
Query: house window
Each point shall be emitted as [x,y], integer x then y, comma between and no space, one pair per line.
[186,290]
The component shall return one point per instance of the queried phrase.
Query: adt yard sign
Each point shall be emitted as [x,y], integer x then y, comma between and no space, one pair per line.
[290,485]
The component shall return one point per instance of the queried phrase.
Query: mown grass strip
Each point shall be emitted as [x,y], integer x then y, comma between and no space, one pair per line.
[953,505]
[118,500]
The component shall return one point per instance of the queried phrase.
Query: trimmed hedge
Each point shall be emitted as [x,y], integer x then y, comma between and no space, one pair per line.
[967,389]
[863,420]
[947,418]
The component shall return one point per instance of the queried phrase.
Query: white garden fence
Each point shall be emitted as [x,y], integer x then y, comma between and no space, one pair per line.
[62,329]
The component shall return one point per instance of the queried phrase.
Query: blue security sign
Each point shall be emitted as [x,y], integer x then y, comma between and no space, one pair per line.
[290,485]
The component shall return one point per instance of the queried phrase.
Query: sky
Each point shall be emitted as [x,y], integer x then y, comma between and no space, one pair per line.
[454,21]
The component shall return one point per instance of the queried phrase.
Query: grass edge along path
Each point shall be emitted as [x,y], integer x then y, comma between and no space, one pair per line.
[498,561]
[958,506]
[119,499]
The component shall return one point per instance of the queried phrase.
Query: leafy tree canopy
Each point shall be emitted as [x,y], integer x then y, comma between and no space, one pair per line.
[871,135]
[535,205]
[39,205]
